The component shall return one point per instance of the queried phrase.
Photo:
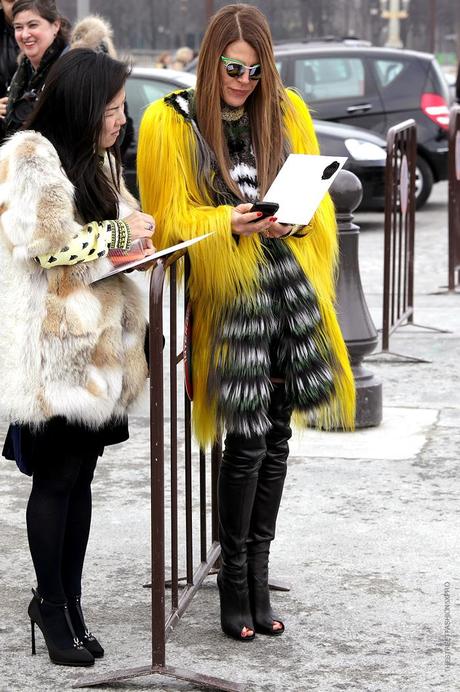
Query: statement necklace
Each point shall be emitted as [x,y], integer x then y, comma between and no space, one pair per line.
[231,114]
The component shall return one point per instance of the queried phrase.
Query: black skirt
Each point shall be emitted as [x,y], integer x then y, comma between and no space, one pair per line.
[25,444]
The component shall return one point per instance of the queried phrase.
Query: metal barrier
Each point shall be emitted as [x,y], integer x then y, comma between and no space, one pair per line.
[398,262]
[163,619]
[454,198]
[398,268]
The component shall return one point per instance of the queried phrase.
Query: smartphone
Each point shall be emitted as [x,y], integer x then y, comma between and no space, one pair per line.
[267,209]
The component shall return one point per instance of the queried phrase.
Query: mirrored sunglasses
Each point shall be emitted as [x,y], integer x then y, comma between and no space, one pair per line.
[234,68]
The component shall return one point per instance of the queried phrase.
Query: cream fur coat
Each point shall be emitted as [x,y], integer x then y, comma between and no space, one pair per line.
[67,347]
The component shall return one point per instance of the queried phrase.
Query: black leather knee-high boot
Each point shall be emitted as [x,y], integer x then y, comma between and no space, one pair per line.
[237,487]
[265,511]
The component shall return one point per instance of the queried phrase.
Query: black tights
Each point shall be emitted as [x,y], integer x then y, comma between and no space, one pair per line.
[58,521]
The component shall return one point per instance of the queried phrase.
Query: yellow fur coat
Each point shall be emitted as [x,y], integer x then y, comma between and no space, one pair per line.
[221,268]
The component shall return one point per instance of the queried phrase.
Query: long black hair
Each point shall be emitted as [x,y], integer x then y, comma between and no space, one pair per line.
[70,113]
[47,10]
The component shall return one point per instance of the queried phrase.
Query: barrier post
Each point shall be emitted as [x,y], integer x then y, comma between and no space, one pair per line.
[355,320]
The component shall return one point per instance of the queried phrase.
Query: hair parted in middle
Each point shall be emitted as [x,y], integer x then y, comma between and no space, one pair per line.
[70,113]
[265,105]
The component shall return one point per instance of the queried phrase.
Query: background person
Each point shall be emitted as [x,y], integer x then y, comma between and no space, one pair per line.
[42,35]
[182,57]
[265,335]
[164,60]
[457,85]
[78,360]
[94,32]
[8,54]
[8,47]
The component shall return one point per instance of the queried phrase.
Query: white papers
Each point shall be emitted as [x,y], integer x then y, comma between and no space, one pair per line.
[156,255]
[301,184]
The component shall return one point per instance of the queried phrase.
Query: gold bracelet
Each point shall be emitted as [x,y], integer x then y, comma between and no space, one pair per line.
[294,229]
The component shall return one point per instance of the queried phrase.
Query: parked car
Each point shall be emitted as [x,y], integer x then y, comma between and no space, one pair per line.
[366,154]
[375,88]
[451,80]
[365,150]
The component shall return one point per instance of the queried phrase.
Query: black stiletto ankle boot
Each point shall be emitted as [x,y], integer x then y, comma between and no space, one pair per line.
[88,640]
[53,619]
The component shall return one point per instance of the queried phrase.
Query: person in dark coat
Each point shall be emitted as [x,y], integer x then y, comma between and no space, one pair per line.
[42,35]
[457,85]
[9,50]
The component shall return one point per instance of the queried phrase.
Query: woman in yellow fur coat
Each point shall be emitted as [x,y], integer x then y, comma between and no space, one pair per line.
[265,336]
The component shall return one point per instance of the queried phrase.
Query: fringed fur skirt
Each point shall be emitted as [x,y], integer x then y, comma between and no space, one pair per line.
[275,332]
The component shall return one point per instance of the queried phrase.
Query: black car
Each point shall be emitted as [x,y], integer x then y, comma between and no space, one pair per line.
[365,150]
[366,154]
[375,88]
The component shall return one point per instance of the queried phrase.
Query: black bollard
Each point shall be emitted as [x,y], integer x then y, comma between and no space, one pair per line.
[356,323]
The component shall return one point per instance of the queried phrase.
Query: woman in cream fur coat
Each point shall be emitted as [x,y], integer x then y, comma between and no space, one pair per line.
[72,350]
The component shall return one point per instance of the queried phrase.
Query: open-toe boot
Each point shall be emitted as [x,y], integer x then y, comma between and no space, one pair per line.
[267,500]
[237,486]
[265,620]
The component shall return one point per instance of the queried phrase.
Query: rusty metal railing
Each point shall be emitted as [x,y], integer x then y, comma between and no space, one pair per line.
[165,618]
[454,199]
[398,268]
[399,242]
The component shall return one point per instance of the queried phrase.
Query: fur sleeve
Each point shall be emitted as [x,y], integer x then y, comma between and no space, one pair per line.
[36,197]
[168,173]
[170,191]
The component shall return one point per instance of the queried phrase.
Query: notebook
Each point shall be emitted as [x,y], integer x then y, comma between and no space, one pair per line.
[301,185]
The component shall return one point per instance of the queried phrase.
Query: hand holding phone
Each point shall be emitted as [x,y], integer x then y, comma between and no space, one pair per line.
[243,221]
[266,208]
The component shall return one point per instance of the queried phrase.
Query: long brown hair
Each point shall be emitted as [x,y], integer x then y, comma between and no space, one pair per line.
[265,104]
[70,113]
